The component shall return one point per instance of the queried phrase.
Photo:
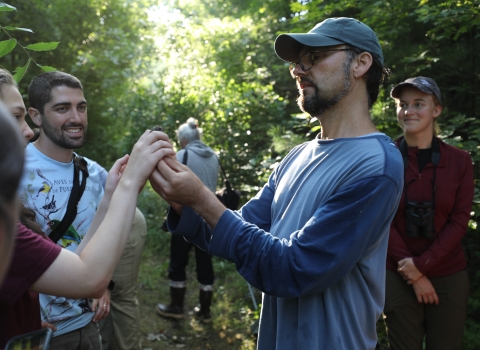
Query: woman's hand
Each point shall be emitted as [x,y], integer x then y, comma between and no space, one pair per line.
[49,325]
[408,270]
[424,291]
[114,175]
[150,149]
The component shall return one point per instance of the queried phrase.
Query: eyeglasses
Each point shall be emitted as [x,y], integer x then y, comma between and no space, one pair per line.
[307,60]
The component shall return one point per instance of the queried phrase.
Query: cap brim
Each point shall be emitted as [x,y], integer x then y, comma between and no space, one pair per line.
[288,46]
[395,93]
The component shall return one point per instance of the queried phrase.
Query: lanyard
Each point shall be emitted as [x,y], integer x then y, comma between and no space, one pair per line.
[435,160]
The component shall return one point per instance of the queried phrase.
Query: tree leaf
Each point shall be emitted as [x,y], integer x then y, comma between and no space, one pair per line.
[20,71]
[48,68]
[18,28]
[43,46]
[7,46]
[7,7]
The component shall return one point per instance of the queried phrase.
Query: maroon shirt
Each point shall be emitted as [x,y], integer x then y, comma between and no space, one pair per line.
[443,254]
[20,308]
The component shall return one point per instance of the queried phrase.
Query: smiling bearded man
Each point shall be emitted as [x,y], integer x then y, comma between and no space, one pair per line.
[64,140]
[59,109]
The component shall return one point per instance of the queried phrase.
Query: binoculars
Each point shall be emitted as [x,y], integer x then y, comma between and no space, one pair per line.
[420,219]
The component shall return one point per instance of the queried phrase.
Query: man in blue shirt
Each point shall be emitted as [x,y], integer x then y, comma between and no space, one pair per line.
[314,239]
[59,109]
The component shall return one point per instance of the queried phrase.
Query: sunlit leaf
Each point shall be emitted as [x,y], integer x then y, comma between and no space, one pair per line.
[48,68]
[43,46]
[18,28]
[20,71]
[7,46]
[6,7]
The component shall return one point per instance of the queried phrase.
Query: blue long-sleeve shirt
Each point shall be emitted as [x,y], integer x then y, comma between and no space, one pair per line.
[314,241]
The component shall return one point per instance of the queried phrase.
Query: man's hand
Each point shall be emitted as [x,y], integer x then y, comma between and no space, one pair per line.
[408,270]
[101,307]
[424,291]
[178,185]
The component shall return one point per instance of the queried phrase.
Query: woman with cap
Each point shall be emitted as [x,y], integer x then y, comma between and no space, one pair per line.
[427,286]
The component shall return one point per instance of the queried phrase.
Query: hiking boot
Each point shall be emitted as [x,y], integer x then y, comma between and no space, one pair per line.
[175,308]
[203,317]
[203,312]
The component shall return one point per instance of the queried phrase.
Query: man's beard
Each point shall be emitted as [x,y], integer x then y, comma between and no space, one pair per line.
[58,138]
[316,105]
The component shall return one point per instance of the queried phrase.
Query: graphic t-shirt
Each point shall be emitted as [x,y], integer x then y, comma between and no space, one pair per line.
[45,187]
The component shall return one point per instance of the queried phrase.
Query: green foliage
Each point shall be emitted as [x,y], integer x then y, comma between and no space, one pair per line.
[221,83]
[7,46]
[146,63]
[20,71]
[6,7]
[42,46]
[450,19]
[106,44]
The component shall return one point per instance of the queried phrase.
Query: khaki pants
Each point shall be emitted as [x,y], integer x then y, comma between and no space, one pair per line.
[409,321]
[86,338]
[120,330]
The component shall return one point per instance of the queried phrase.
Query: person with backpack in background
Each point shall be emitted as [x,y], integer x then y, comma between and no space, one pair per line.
[203,161]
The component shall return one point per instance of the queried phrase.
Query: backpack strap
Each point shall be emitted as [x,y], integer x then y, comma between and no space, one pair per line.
[223,170]
[185,158]
[79,164]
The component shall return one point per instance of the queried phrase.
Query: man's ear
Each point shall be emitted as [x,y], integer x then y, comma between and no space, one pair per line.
[361,64]
[35,116]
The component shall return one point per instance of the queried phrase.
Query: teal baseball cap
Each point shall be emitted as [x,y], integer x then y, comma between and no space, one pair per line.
[330,32]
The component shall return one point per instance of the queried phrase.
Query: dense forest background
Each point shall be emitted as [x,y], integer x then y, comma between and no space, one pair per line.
[146,62]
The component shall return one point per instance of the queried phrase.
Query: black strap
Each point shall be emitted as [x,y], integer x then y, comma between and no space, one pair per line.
[435,160]
[435,152]
[79,164]
[226,182]
[185,158]
[223,171]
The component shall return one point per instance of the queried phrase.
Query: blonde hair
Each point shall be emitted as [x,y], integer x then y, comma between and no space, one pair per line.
[436,127]
[6,78]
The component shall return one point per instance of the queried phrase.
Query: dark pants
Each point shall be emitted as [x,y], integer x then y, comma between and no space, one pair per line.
[409,321]
[86,338]
[179,249]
